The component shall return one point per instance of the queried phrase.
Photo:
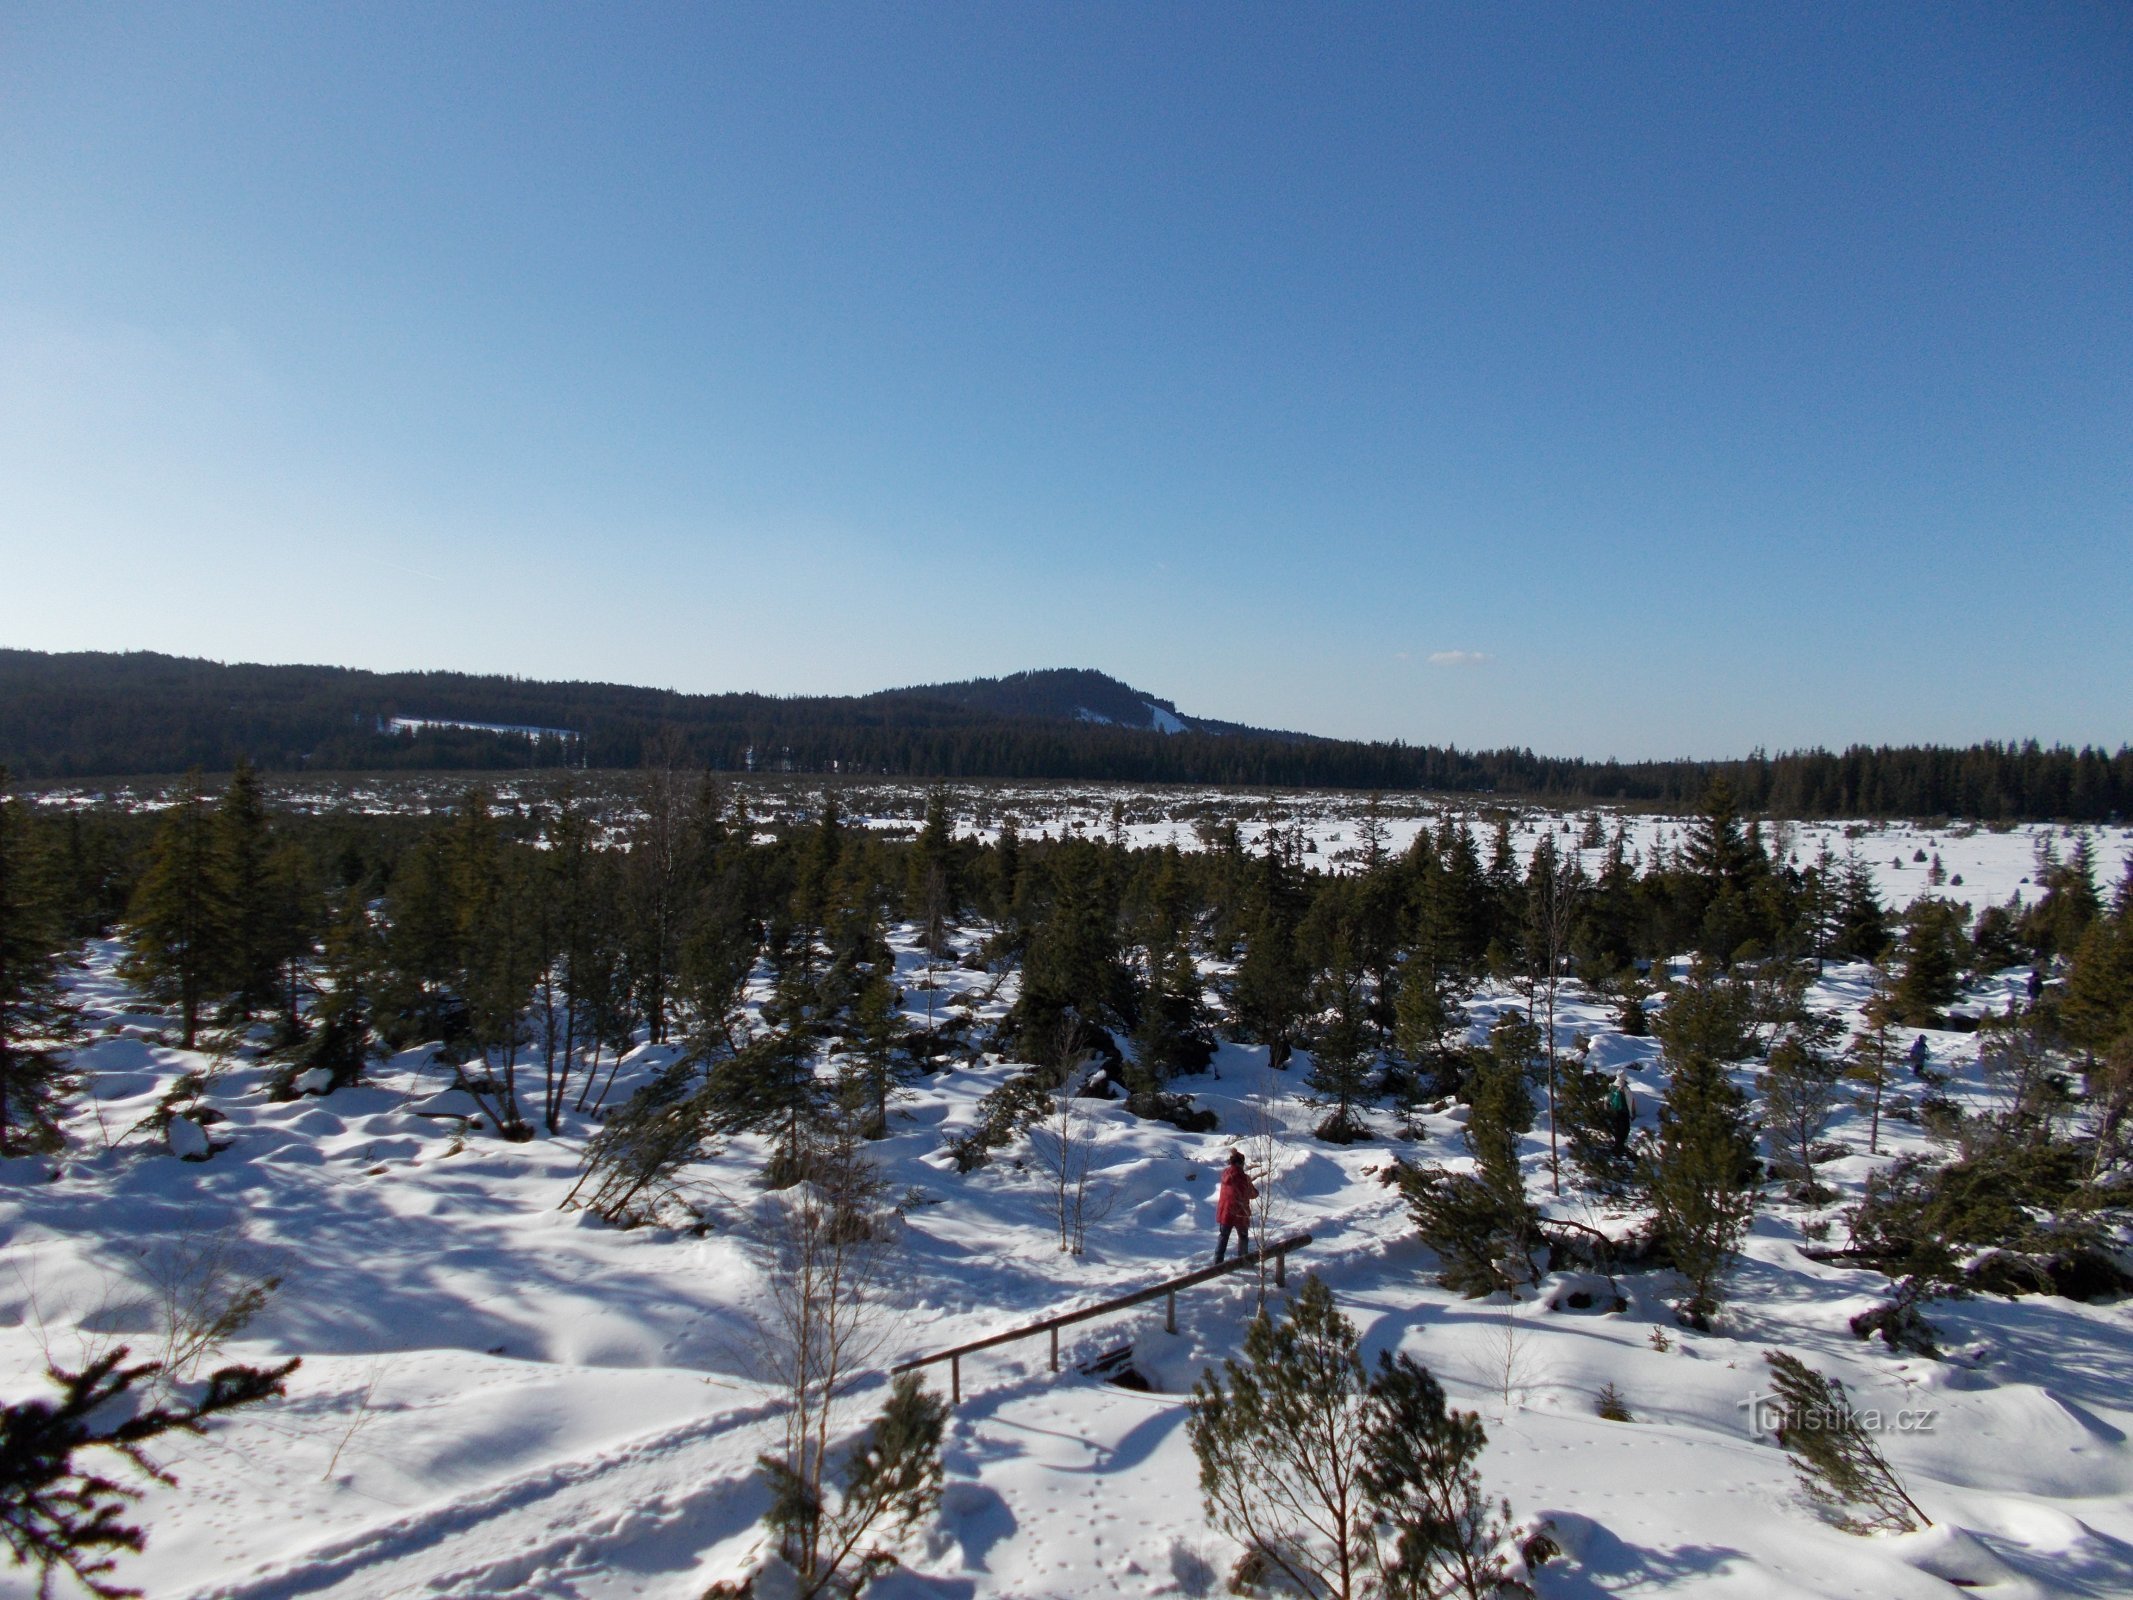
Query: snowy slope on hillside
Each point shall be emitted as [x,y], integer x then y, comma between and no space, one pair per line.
[1163,721]
[500,1398]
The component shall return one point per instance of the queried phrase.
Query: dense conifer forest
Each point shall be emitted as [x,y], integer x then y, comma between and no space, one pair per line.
[364,931]
[65,716]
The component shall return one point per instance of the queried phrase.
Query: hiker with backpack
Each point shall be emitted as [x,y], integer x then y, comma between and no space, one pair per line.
[1233,1206]
[1621,1109]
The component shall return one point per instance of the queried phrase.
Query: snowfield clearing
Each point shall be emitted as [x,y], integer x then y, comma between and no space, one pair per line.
[1992,862]
[499,1397]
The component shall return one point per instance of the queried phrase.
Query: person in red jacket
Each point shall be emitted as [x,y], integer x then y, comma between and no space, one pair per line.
[1233,1205]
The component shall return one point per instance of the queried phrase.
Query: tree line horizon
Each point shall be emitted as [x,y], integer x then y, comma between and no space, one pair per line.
[91,714]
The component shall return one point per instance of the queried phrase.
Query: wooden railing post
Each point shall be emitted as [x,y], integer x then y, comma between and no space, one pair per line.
[1170,1312]
[1281,1269]
[955,1380]
[1055,1349]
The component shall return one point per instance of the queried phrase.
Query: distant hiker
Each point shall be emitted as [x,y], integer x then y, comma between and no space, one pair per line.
[1621,1109]
[1918,1056]
[1233,1206]
[2036,984]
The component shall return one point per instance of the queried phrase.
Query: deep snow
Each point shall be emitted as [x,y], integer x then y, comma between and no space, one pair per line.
[502,1398]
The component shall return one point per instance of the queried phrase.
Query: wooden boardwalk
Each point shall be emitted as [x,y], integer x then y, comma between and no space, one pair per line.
[1168,1289]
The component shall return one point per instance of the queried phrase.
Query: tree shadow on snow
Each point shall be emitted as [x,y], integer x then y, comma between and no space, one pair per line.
[2096,1565]
[362,1269]
[904,1584]
[2045,1341]
[979,1519]
[1600,1563]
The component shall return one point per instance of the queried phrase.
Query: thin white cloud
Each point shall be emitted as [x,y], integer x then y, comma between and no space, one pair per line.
[1457,658]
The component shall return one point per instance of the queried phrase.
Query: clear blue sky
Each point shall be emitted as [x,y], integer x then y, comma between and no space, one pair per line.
[1635,380]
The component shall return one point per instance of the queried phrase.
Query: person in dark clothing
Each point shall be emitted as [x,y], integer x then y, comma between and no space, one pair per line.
[1233,1206]
[1621,1110]
[1918,1056]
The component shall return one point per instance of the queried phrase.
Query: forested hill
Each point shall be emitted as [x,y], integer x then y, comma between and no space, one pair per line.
[93,714]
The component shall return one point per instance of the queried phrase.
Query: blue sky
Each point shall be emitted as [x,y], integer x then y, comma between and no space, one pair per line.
[1609,380]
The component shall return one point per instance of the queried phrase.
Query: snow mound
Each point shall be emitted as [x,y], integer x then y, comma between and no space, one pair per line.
[187,1139]
[1957,1556]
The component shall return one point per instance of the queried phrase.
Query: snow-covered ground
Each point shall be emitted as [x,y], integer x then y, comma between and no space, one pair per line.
[501,1398]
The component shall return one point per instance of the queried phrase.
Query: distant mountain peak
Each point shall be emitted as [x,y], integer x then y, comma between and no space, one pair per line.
[1075,694]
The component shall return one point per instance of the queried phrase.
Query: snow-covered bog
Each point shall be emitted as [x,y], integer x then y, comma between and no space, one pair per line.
[503,1398]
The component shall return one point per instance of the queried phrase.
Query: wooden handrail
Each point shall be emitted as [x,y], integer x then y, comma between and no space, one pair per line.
[1170,1287]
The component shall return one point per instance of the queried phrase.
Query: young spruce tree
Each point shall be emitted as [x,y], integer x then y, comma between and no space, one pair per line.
[1700,1177]
[181,920]
[1340,1065]
[1839,1466]
[1929,960]
[37,1022]
[1480,1223]
[245,845]
[1347,1483]
[1801,1090]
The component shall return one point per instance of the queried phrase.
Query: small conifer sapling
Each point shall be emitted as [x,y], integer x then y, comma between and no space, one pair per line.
[1839,1467]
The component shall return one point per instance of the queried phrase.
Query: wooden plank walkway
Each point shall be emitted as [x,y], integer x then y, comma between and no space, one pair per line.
[1169,1288]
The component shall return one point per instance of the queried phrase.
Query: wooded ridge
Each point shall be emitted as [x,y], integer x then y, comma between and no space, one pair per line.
[91,714]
